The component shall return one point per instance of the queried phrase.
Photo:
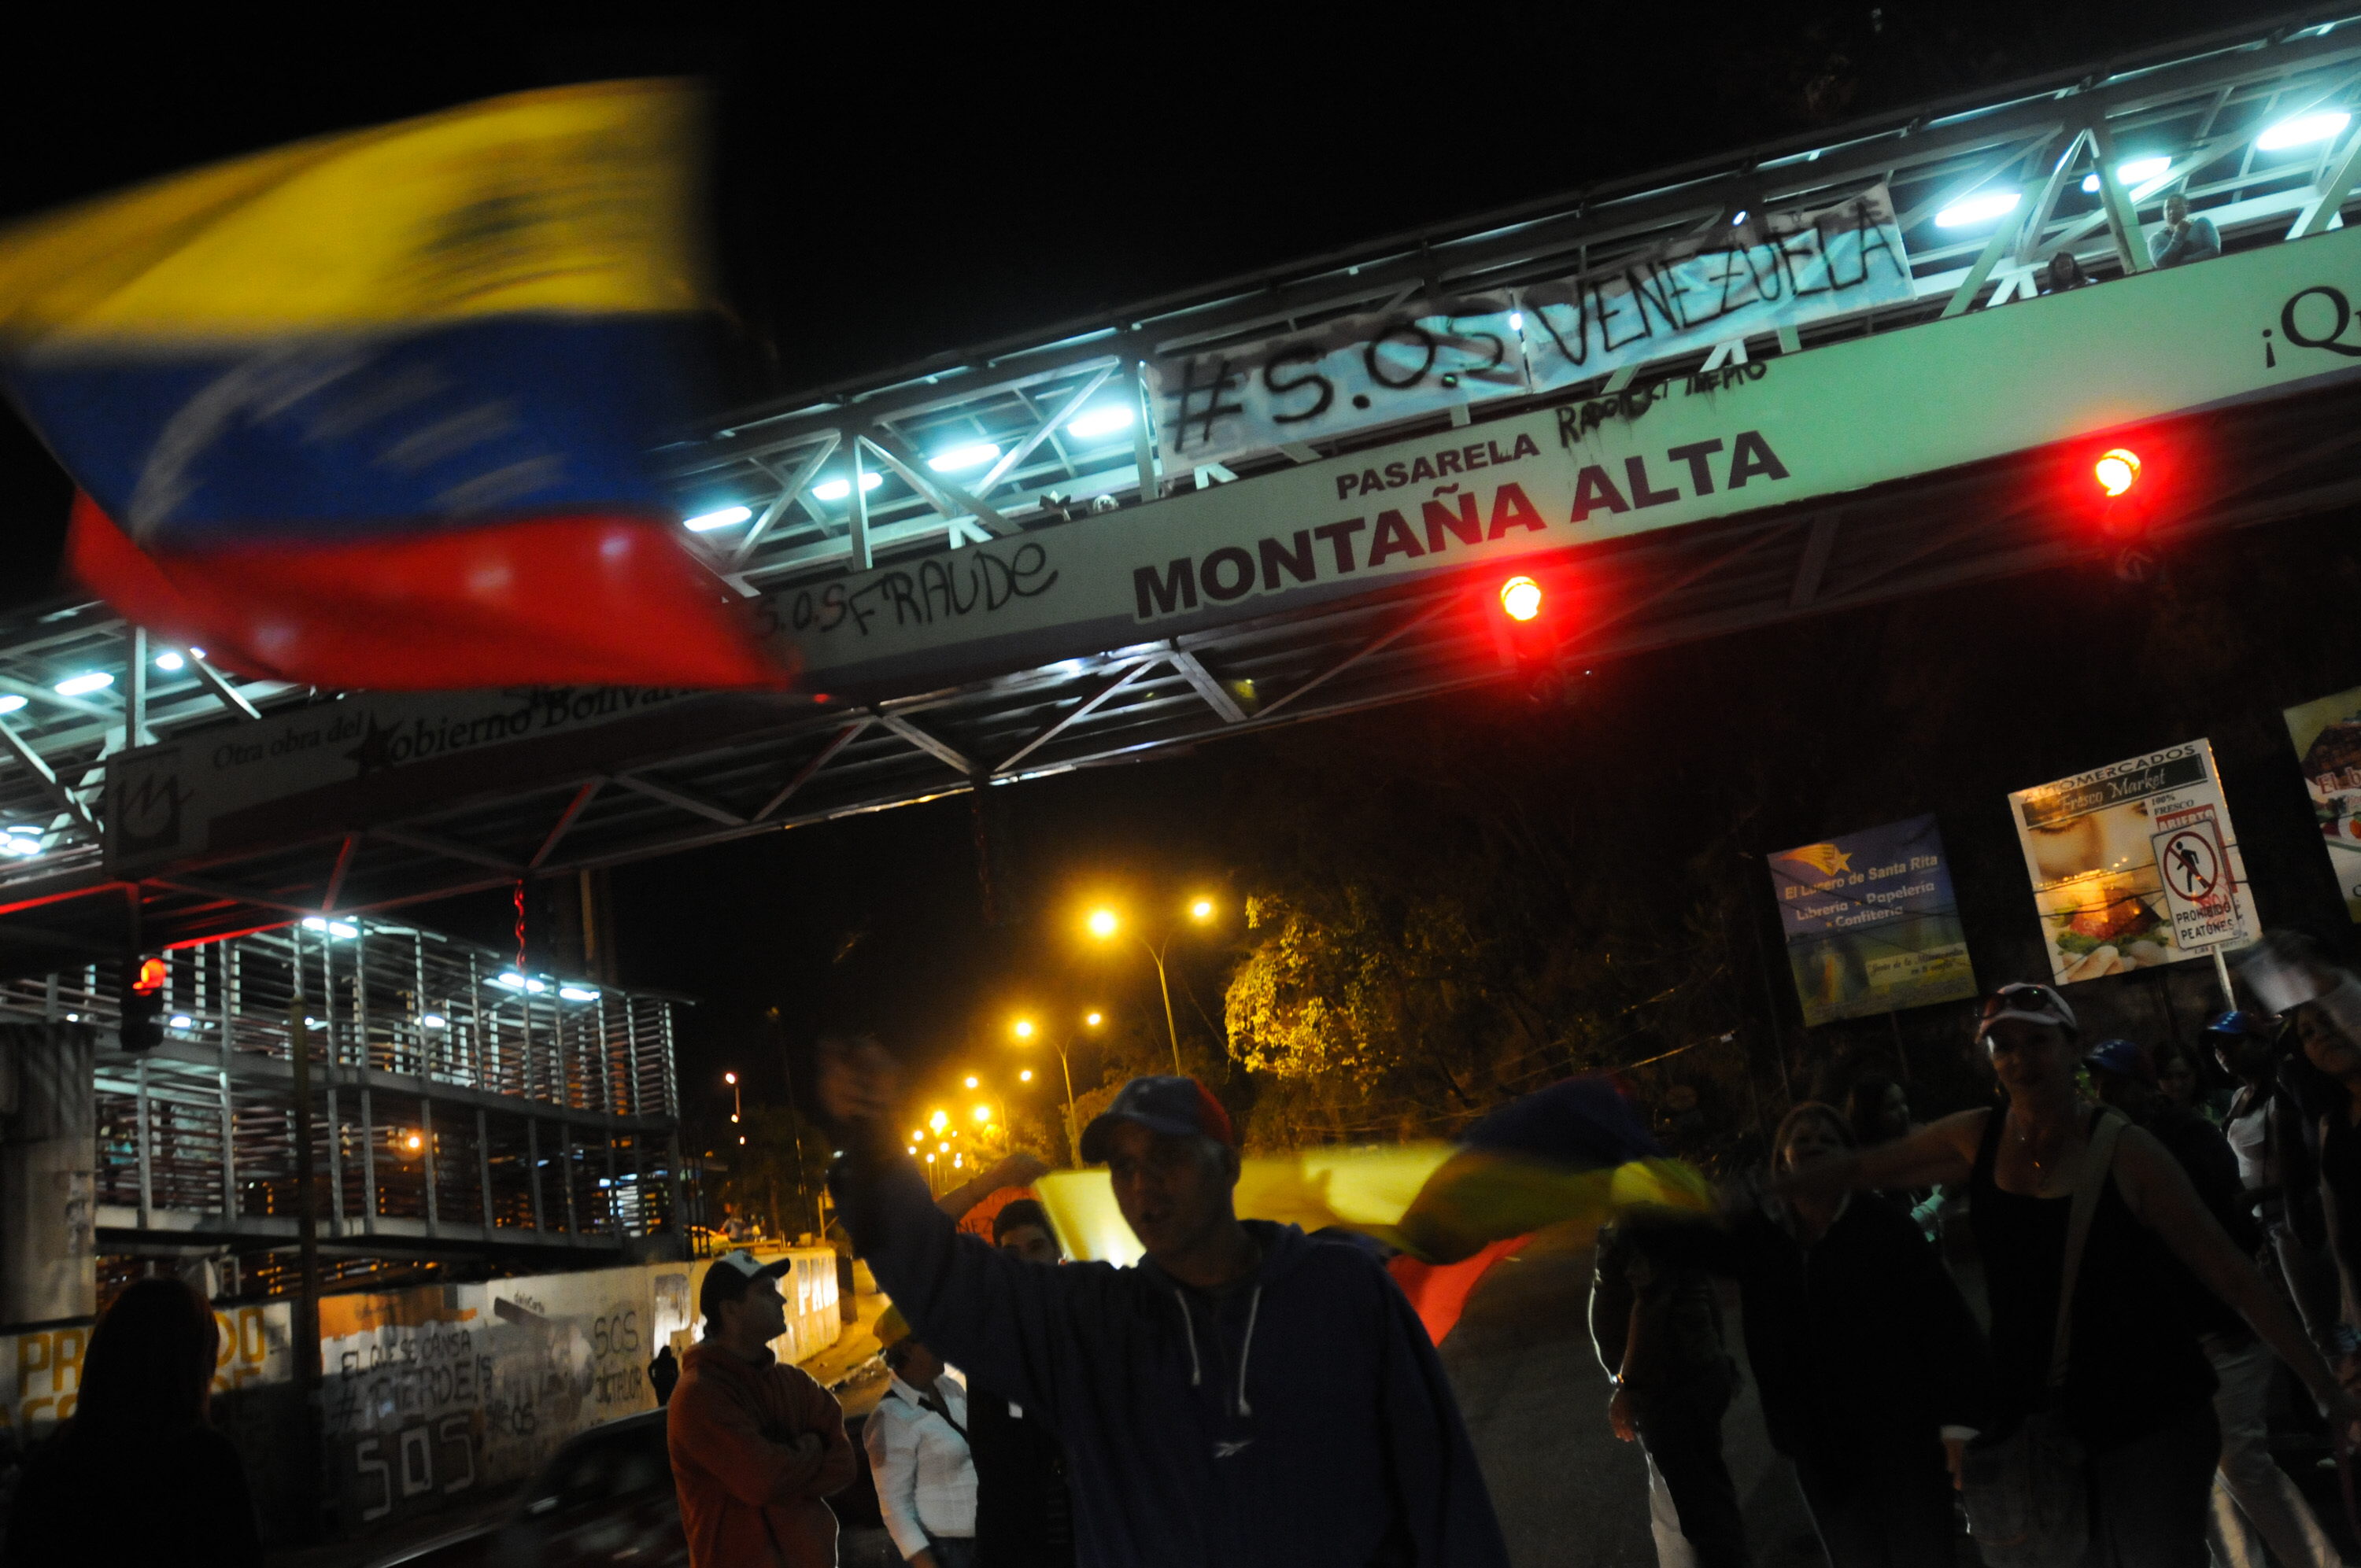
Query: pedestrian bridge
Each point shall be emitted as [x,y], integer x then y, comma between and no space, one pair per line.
[1799,378]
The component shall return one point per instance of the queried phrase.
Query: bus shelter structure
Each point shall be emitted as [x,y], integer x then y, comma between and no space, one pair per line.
[461,1112]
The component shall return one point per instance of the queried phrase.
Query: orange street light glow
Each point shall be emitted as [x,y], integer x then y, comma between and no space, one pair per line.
[1024,1029]
[1026,1076]
[983,1113]
[1103,922]
[1093,1019]
[1521,597]
[1201,910]
[970,1080]
[414,1143]
[729,1078]
[2117,471]
[939,1119]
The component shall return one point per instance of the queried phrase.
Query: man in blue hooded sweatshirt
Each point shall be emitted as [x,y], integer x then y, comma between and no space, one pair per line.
[1244,1397]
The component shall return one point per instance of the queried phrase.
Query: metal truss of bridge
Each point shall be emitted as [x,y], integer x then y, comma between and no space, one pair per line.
[460,1110]
[2258,126]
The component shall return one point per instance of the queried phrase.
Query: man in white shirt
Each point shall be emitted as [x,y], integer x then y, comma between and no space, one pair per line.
[917,1438]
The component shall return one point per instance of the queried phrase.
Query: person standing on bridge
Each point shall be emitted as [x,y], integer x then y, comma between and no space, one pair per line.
[1244,1396]
[756,1445]
[2183,238]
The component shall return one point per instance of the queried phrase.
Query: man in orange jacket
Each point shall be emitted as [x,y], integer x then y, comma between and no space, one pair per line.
[755,1444]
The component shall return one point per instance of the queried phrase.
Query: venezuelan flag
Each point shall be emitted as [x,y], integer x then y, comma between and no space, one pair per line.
[373,410]
[1573,1153]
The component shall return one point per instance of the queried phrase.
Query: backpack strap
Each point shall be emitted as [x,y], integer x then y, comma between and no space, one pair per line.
[2098,1158]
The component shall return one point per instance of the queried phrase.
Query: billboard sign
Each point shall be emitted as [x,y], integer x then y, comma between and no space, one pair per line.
[2327,737]
[1872,923]
[2133,864]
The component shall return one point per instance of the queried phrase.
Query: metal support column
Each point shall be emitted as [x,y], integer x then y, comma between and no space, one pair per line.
[2122,218]
[225,996]
[533,1163]
[566,1171]
[368,1163]
[135,691]
[1143,443]
[857,510]
[426,1156]
[147,1165]
[484,1165]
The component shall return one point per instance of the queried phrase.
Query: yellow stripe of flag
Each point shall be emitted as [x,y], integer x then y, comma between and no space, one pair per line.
[575,199]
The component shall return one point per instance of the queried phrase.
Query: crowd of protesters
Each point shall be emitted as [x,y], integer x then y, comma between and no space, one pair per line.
[2156,1256]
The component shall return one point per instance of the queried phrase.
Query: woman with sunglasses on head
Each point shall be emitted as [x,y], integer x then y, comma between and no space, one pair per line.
[2137,1393]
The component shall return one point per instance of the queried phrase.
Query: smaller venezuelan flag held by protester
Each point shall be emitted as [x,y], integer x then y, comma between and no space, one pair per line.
[1573,1153]
[373,410]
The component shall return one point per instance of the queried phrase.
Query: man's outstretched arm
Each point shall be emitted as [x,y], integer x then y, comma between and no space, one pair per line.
[981,1309]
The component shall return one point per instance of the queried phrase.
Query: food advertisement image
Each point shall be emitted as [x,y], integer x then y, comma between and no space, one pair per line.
[2090,845]
[1870,922]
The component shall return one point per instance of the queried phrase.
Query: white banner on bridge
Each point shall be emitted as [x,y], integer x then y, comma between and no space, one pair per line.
[1665,452]
[1756,275]
[1762,273]
[1351,373]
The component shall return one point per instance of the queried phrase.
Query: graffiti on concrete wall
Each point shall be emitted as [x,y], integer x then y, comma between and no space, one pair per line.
[436,1392]
[40,1370]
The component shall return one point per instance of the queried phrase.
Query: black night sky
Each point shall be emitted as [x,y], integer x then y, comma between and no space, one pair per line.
[891,185]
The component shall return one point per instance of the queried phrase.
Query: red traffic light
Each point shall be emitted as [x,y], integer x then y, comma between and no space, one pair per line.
[2116,471]
[151,978]
[1521,597]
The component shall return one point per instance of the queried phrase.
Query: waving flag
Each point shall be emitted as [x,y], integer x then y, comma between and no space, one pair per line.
[373,410]
[1573,1153]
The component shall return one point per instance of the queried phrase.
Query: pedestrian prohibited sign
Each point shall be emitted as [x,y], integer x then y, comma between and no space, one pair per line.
[2207,905]
[2190,862]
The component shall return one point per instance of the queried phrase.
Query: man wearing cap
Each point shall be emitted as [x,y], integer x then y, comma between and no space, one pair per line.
[756,1445]
[1245,1396]
[2253,1500]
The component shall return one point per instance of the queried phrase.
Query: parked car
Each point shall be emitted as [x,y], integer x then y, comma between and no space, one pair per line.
[608,1497]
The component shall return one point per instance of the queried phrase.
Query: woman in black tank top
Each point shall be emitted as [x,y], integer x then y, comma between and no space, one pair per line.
[2137,1389]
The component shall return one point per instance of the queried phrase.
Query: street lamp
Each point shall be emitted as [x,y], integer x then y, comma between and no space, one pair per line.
[1104,923]
[1023,1028]
[737,1105]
